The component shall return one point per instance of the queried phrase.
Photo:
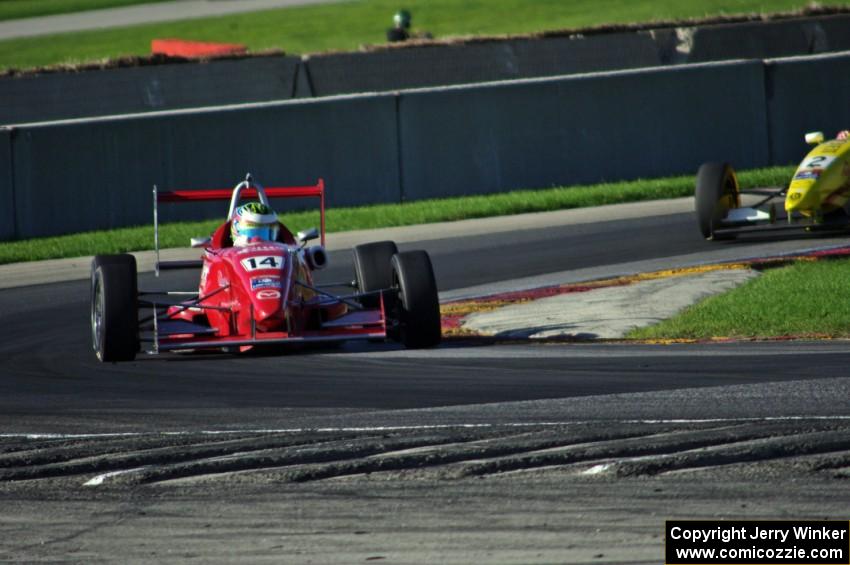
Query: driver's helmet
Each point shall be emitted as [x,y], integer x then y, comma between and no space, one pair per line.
[402,19]
[253,221]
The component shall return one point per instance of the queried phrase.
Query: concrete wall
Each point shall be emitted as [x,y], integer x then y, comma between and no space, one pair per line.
[749,40]
[7,198]
[806,94]
[760,40]
[98,173]
[832,34]
[56,96]
[441,65]
[581,129]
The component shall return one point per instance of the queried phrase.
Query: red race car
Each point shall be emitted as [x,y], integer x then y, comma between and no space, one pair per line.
[260,291]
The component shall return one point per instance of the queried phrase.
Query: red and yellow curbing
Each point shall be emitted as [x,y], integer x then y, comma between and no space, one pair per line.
[455,312]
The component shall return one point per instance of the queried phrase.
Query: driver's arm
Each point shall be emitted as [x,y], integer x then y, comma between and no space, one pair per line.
[844,134]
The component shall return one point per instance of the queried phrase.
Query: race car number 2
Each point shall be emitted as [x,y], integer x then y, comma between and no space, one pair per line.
[819,162]
[262,262]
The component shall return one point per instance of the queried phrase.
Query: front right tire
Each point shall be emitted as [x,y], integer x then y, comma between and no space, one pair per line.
[418,304]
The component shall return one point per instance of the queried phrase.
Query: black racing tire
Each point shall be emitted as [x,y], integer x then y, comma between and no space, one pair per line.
[114,308]
[372,269]
[418,306]
[717,192]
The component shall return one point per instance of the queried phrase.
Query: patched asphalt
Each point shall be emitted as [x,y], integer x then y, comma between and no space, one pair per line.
[606,313]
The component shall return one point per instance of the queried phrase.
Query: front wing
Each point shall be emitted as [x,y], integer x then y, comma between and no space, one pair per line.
[752,219]
[783,225]
[176,335]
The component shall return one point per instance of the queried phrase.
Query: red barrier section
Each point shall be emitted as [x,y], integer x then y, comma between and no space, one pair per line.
[194,49]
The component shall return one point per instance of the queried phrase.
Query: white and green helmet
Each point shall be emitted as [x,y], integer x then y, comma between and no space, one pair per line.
[253,221]
[401,19]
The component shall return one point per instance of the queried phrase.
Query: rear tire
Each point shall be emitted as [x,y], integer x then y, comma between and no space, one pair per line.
[372,269]
[114,308]
[418,304]
[717,192]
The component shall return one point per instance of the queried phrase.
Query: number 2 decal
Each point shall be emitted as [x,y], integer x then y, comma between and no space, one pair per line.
[819,162]
[262,262]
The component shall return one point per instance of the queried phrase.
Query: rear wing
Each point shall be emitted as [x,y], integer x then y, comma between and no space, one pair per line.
[247,189]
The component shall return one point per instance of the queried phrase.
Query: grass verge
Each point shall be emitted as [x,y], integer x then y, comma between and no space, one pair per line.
[805,299]
[349,24]
[384,215]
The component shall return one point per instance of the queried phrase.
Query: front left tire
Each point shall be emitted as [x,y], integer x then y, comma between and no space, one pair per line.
[717,192]
[114,308]
[372,270]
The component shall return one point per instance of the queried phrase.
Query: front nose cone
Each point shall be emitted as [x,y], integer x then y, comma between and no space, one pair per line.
[801,199]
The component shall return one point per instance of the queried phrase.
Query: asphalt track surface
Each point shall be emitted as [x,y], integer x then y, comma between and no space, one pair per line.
[45,355]
[373,452]
[138,14]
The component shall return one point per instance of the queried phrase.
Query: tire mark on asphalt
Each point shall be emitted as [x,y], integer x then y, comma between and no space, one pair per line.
[620,449]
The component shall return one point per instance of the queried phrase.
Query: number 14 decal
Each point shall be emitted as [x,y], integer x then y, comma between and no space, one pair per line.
[262,262]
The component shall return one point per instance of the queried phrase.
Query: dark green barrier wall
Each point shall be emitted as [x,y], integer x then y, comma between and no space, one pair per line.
[582,129]
[98,173]
[7,199]
[806,94]
[56,96]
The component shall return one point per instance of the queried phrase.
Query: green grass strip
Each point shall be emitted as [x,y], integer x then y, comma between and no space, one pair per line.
[383,215]
[348,25]
[803,299]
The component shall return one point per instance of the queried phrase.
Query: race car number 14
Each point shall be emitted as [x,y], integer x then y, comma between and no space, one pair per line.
[262,262]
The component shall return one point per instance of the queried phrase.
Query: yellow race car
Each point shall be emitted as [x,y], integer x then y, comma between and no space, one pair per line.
[816,198]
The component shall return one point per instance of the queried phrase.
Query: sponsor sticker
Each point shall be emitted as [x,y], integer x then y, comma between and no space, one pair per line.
[265,282]
[831,146]
[268,294]
[253,248]
[809,174]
